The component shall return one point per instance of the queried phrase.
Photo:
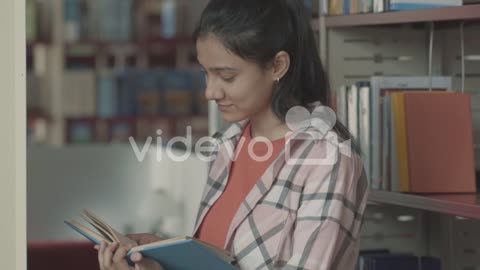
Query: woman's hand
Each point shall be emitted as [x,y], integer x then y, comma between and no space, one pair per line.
[113,257]
[144,238]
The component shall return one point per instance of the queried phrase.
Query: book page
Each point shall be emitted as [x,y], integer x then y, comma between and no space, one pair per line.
[87,231]
[101,229]
[116,236]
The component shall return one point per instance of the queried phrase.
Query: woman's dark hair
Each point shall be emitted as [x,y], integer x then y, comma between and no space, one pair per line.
[256,30]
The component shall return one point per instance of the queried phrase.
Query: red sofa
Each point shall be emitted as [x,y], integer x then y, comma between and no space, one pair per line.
[65,255]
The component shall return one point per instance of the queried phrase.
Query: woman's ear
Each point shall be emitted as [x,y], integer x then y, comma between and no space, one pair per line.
[281,64]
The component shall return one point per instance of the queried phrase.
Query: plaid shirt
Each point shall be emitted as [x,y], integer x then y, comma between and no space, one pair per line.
[299,215]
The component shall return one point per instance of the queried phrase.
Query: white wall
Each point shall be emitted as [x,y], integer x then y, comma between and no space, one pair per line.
[110,181]
[12,135]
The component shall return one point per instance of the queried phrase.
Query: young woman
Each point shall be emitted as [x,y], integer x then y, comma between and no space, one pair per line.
[288,202]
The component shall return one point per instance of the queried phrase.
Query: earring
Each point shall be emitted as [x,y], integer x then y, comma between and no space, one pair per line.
[277,80]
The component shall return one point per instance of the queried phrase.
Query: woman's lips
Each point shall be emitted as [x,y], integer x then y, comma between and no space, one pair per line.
[223,107]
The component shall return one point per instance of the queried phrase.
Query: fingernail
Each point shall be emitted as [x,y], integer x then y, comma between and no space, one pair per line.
[136,256]
[96,247]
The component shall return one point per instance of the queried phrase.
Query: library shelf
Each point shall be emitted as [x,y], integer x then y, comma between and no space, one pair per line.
[463,205]
[140,44]
[461,13]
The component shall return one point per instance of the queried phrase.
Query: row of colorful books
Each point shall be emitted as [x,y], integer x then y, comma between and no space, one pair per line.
[133,92]
[123,20]
[412,139]
[93,20]
[385,260]
[111,20]
[344,7]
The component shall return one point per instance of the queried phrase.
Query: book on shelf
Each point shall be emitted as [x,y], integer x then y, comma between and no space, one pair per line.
[420,153]
[384,260]
[176,253]
[400,168]
[342,105]
[380,87]
[352,111]
[386,133]
[107,95]
[476,127]
[376,116]
[345,7]
[439,142]
[421,4]
[79,93]
[364,124]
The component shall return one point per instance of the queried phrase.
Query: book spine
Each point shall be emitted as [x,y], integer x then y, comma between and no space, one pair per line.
[336,7]
[394,173]
[342,105]
[398,100]
[352,96]
[346,7]
[386,176]
[364,128]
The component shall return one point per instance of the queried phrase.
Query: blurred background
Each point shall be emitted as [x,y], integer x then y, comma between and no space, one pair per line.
[102,71]
[99,72]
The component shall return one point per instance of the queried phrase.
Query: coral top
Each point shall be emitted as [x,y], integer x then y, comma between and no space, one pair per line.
[245,171]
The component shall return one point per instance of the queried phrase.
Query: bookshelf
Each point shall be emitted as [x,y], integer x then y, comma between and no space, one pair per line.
[462,13]
[53,55]
[357,46]
[463,205]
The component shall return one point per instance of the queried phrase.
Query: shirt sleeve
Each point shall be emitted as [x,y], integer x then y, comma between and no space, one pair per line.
[326,234]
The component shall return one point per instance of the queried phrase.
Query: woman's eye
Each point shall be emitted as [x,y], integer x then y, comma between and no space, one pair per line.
[228,79]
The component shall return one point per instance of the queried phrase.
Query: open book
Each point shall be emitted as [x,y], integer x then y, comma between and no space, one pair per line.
[182,253]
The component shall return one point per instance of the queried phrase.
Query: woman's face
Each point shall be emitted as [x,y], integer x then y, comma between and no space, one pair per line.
[241,89]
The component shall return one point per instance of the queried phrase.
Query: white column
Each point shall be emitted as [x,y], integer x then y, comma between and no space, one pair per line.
[12,135]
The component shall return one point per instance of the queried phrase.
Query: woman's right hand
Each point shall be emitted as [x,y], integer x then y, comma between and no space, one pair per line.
[112,257]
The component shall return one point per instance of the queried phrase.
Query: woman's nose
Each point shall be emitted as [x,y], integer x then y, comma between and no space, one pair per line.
[213,92]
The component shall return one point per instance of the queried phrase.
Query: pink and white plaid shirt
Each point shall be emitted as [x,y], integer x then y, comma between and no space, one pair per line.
[299,215]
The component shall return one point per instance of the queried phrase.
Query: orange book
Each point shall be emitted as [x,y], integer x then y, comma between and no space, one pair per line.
[398,108]
[440,142]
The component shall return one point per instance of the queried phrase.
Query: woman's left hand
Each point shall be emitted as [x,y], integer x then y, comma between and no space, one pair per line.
[113,257]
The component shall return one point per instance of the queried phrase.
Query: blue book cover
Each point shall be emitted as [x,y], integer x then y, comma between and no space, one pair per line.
[107,96]
[413,5]
[125,95]
[181,253]
[184,253]
[139,93]
[346,7]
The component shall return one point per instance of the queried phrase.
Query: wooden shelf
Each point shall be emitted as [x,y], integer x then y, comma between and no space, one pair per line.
[463,205]
[463,13]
